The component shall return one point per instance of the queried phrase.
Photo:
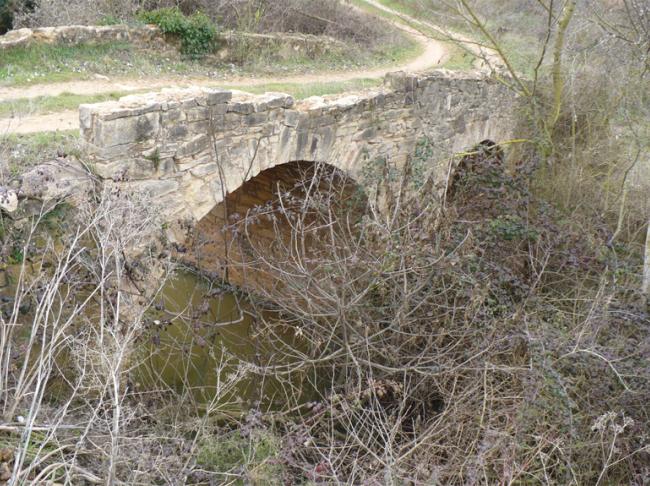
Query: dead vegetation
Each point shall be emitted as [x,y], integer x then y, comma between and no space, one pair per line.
[488,343]
[328,17]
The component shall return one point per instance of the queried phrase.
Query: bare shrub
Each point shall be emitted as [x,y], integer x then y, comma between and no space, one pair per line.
[67,336]
[74,12]
[488,343]
[328,17]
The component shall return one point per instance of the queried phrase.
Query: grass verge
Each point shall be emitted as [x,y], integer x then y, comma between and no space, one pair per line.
[459,59]
[20,152]
[514,31]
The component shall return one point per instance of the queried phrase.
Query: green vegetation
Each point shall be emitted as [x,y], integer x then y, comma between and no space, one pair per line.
[196,32]
[20,152]
[514,28]
[46,63]
[459,59]
[266,61]
[254,456]
[492,330]
[109,20]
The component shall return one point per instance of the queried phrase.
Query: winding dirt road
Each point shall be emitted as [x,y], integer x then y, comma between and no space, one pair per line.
[434,53]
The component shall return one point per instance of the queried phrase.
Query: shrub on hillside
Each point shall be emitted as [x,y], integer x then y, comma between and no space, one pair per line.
[318,17]
[196,32]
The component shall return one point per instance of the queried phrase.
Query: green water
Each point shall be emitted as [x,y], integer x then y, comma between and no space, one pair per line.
[207,345]
[214,348]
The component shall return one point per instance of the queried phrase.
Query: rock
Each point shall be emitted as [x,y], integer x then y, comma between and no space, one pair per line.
[8,200]
[6,454]
[55,180]
[145,35]
[5,472]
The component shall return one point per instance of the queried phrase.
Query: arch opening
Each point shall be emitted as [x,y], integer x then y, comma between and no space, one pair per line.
[281,216]
[477,164]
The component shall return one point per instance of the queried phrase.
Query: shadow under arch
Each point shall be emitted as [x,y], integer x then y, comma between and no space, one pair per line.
[486,155]
[274,221]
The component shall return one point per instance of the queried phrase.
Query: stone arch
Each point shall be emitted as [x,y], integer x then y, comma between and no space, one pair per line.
[486,154]
[264,216]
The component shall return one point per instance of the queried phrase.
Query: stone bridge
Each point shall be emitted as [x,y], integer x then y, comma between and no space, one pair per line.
[190,148]
[207,155]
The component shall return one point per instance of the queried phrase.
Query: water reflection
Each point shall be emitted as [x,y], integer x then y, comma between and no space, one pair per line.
[214,347]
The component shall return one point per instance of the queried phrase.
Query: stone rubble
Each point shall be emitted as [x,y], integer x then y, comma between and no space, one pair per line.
[8,200]
[47,184]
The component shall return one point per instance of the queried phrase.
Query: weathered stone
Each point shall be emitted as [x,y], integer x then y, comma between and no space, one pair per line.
[245,108]
[205,170]
[55,180]
[216,97]
[268,101]
[198,113]
[8,200]
[193,146]
[121,131]
[155,188]
[219,136]
[286,46]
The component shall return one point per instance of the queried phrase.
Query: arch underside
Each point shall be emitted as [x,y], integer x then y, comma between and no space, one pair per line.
[273,217]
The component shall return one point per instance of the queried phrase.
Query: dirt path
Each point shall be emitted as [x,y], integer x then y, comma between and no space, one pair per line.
[434,53]
[486,58]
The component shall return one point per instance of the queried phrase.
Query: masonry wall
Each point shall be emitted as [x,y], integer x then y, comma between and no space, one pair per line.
[145,35]
[189,148]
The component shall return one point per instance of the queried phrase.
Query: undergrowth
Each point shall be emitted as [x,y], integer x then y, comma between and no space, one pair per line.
[196,32]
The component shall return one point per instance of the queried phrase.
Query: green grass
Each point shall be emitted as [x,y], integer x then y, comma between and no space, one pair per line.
[405,7]
[401,49]
[45,104]
[48,63]
[519,42]
[459,60]
[20,152]
[252,457]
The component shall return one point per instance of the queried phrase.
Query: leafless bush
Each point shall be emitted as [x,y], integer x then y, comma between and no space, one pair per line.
[476,345]
[68,344]
[74,12]
[328,17]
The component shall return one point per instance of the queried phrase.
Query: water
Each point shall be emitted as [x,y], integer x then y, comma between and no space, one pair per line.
[213,347]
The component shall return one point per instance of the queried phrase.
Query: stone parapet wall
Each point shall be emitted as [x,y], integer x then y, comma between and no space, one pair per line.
[189,148]
[81,34]
[234,45]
